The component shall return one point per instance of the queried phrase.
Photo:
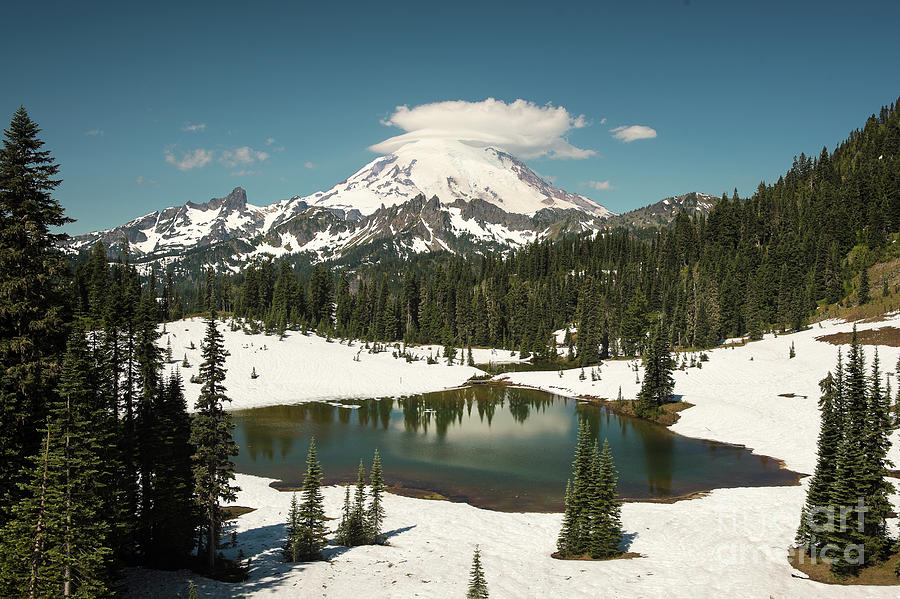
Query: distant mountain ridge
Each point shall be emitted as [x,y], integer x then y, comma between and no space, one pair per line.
[427,196]
[663,212]
[430,195]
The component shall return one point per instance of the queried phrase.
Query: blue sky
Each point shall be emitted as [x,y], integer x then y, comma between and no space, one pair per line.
[154,105]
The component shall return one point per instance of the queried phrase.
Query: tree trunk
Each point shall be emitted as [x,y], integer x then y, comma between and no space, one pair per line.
[36,554]
[67,573]
[211,542]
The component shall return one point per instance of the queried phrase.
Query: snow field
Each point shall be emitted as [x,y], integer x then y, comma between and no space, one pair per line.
[732,542]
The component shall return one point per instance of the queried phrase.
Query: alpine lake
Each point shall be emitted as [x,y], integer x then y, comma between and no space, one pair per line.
[496,447]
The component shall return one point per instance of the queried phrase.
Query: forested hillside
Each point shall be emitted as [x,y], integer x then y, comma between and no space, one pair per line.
[756,264]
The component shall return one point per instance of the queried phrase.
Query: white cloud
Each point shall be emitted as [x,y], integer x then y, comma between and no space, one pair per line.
[244,173]
[521,128]
[603,121]
[309,164]
[145,181]
[94,133]
[270,141]
[600,185]
[193,159]
[633,132]
[194,127]
[243,155]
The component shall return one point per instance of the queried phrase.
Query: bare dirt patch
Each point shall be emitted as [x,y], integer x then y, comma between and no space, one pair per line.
[236,511]
[889,336]
[588,558]
[879,575]
[416,493]
[667,415]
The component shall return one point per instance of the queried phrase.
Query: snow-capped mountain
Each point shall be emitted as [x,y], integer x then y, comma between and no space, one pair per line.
[191,225]
[450,170]
[428,195]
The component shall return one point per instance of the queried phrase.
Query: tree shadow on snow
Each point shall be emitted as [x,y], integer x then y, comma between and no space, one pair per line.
[397,531]
[268,569]
[627,539]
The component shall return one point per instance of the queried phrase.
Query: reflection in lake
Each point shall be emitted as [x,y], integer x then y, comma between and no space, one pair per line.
[495,447]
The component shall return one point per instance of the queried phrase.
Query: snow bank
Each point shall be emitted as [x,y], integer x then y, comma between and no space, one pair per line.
[737,394]
[730,543]
[303,368]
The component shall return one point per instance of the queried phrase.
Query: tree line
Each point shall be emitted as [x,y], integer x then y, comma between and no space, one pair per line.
[764,263]
[102,466]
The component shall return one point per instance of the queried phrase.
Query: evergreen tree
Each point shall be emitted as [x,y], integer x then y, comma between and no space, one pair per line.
[33,274]
[591,522]
[568,533]
[57,543]
[212,440]
[173,510]
[310,535]
[294,529]
[356,525]
[477,584]
[606,524]
[376,508]
[577,514]
[658,383]
[852,467]
[817,498]
[342,536]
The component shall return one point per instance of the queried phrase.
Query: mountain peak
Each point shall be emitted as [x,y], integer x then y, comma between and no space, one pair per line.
[665,210]
[451,170]
[236,200]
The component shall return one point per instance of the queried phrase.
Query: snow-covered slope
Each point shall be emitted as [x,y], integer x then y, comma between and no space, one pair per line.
[450,170]
[731,543]
[358,209]
[193,225]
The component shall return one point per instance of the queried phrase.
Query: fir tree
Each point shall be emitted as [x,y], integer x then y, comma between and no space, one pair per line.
[658,384]
[817,498]
[606,525]
[477,585]
[173,510]
[57,543]
[577,513]
[355,526]
[310,536]
[591,522]
[568,532]
[852,467]
[294,529]
[32,300]
[212,440]
[376,508]
[341,537]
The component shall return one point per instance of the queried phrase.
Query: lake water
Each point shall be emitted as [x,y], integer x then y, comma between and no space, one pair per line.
[495,447]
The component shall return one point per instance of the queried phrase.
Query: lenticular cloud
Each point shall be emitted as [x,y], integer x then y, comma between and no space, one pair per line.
[521,128]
